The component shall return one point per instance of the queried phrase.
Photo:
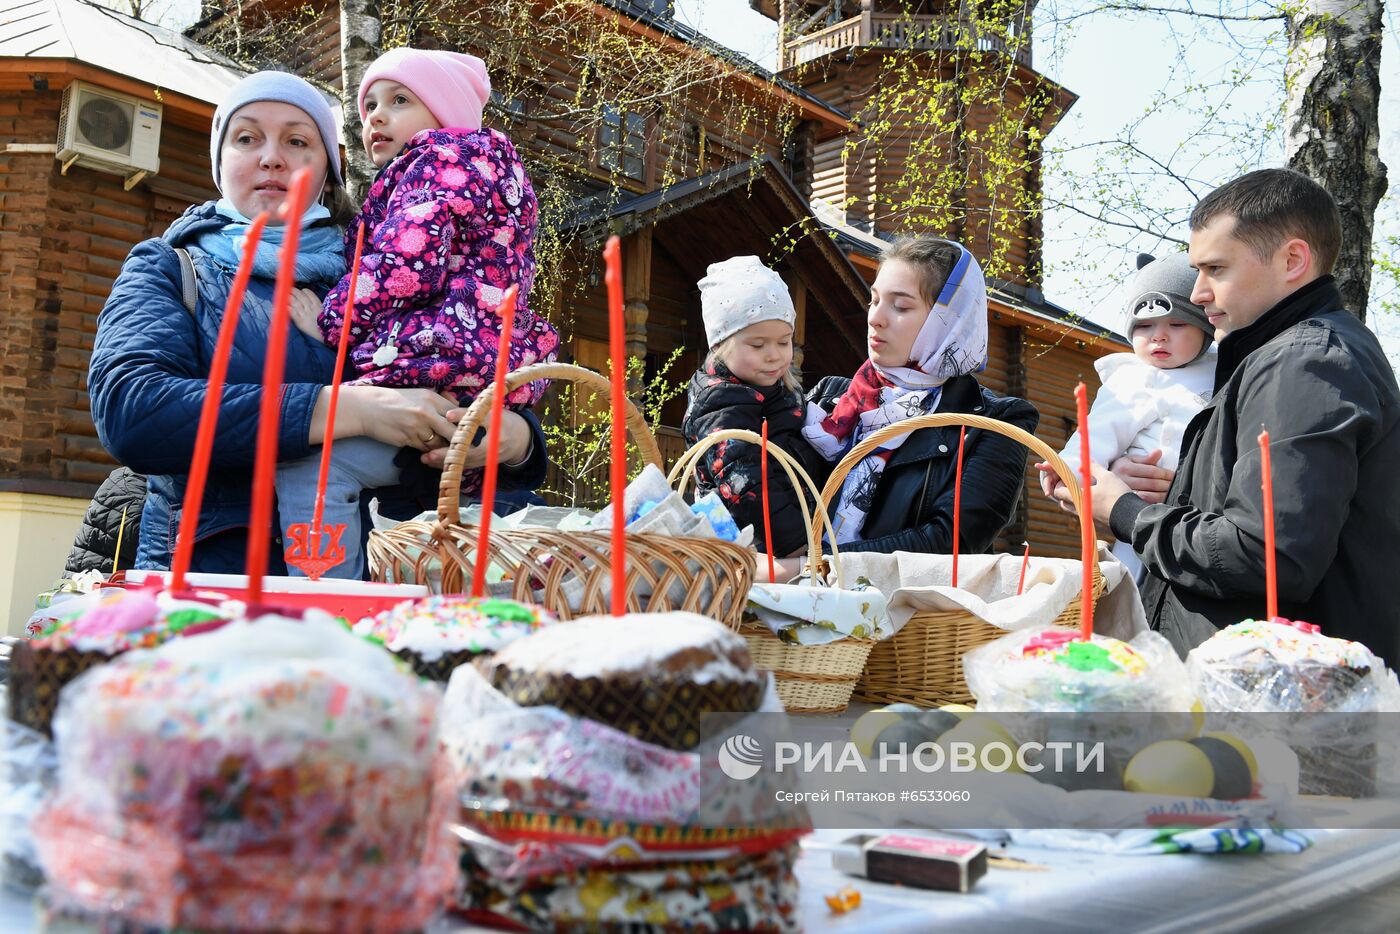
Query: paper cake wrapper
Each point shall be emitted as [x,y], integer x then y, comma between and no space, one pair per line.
[749,893]
[439,669]
[662,711]
[36,677]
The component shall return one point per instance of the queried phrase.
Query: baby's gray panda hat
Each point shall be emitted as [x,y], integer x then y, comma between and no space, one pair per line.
[1162,289]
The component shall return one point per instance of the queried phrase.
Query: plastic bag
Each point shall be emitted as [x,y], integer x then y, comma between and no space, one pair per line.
[1047,669]
[273,774]
[28,767]
[1337,690]
[540,773]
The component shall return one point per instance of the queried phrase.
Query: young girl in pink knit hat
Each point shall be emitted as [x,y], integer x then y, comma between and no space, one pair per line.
[449,227]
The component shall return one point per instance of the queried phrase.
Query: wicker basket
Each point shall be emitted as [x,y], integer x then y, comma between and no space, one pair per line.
[810,678]
[922,663]
[713,575]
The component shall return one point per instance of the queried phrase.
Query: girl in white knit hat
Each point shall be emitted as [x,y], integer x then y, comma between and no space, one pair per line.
[747,377]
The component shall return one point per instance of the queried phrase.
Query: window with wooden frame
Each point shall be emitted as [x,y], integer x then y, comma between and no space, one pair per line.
[622,143]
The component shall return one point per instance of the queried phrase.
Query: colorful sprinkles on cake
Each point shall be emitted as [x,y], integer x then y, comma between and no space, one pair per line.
[1291,640]
[1062,647]
[441,624]
[115,621]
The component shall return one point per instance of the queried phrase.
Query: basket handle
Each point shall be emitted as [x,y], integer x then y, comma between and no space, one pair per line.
[943,420]
[687,465]
[449,495]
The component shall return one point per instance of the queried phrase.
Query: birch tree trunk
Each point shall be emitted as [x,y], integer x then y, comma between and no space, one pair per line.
[1331,126]
[360,32]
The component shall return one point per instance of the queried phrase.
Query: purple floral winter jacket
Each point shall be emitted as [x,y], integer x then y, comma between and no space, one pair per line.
[450,225]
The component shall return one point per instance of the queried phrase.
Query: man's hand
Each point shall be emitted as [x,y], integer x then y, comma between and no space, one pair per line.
[1108,490]
[1144,477]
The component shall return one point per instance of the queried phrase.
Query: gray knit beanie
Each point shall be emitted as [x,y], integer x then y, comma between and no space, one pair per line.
[283,88]
[739,292]
[1162,289]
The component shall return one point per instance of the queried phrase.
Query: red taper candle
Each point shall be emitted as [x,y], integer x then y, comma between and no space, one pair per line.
[493,440]
[209,412]
[957,500]
[1088,552]
[767,516]
[612,256]
[340,352]
[1266,480]
[1025,560]
[269,415]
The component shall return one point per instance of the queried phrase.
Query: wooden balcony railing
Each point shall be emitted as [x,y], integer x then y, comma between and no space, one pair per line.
[895,31]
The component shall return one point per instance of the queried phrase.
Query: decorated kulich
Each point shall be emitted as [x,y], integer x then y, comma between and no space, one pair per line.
[1050,669]
[276,774]
[653,676]
[1282,666]
[438,633]
[90,630]
[1286,667]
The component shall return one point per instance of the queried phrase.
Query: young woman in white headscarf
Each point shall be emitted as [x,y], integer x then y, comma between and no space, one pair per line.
[926,332]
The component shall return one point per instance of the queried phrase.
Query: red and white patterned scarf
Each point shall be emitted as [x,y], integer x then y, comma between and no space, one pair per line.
[952,342]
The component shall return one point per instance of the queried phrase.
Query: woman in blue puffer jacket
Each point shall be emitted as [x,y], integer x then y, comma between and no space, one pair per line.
[150,363]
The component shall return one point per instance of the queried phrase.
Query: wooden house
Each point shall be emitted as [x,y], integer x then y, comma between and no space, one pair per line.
[684,184]
[64,231]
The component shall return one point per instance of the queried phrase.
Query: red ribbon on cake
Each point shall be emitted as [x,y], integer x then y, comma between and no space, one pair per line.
[767,516]
[1266,480]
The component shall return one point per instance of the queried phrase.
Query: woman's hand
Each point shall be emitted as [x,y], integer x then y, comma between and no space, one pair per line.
[306,308]
[515,443]
[412,418]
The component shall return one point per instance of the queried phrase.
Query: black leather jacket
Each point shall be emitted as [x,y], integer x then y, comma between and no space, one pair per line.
[913,506]
[1317,378]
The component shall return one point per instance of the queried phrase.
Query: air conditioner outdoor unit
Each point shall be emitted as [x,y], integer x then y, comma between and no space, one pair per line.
[109,131]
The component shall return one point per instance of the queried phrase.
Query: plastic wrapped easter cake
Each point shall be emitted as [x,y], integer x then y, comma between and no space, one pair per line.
[653,676]
[277,774]
[591,797]
[1321,695]
[436,634]
[1050,670]
[90,630]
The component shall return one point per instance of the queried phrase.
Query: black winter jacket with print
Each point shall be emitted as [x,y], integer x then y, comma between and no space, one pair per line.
[720,401]
[913,505]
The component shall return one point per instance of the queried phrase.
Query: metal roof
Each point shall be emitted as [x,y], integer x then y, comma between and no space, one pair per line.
[106,39]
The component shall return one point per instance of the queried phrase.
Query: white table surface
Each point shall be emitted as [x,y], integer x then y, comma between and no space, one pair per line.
[1347,883]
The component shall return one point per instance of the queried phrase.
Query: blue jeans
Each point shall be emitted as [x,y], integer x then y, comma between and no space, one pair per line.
[357,464]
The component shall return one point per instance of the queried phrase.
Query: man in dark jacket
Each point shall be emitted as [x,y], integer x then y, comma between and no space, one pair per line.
[1294,361]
